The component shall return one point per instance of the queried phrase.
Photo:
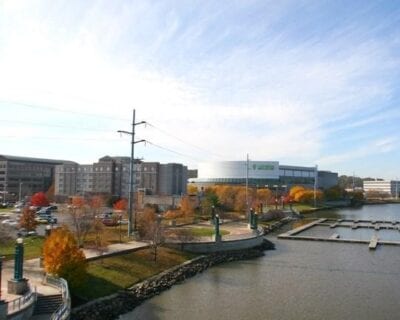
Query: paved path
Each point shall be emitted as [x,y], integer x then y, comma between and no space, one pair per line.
[35,273]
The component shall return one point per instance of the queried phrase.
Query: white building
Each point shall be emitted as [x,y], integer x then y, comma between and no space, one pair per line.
[390,187]
[262,173]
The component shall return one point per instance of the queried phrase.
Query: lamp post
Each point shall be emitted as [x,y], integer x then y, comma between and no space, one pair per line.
[283,196]
[217,233]
[3,304]
[1,268]
[315,185]
[276,196]
[18,285]
[20,191]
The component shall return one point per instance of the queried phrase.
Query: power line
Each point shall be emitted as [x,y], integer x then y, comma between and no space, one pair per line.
[185,142]
[34,106]
[170,150]
[57,138]
[54,125]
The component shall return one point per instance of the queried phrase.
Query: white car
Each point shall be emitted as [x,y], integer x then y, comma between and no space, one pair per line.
[10,222]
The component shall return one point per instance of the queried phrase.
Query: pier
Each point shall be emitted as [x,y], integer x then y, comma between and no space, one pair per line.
[332,236]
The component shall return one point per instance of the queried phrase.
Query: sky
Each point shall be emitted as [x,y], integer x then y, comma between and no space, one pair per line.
[300,82]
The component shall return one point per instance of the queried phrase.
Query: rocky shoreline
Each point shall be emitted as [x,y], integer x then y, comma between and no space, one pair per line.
[112,306]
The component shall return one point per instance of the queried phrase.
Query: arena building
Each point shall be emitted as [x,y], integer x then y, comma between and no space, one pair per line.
[262,174]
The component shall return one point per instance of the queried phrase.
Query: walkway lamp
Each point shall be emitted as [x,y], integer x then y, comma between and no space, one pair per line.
[1,268]
[3,304]
[217,233]
[18,285]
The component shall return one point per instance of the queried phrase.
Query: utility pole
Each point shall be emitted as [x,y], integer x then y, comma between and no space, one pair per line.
[247,184]
[315,185]
[132,176]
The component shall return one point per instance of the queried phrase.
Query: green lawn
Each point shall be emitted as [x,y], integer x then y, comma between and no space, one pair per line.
[109,275]
[206,232]
[32,248]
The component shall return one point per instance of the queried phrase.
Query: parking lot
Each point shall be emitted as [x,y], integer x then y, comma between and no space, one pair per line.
[9,219]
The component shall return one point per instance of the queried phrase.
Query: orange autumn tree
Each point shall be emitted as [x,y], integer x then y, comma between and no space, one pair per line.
[186,207]
[63,258]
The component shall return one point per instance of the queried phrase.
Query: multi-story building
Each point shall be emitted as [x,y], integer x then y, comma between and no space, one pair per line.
[261,174]
[111,175]
[21,176]
[388,187]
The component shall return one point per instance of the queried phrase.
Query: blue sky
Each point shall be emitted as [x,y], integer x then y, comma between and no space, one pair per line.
[300,82]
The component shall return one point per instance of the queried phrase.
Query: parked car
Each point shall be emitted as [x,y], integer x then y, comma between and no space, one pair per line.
[110,222]
[25,233]
[107,215]
[10,222]
[43,218]
[53,208]
[44,210]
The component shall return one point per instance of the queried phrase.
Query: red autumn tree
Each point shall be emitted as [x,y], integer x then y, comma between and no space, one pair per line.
[39,199]
[121,204]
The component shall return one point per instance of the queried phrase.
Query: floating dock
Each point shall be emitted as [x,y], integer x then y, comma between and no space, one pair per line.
[331,224]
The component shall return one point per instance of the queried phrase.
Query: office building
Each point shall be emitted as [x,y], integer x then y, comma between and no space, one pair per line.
[261,174]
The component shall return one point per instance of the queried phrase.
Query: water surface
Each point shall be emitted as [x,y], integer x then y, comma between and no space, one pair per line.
[298,280]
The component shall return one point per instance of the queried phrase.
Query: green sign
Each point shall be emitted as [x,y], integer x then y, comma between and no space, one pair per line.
[263,166]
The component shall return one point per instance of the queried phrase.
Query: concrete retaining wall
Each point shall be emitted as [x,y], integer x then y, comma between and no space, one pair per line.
[226,245]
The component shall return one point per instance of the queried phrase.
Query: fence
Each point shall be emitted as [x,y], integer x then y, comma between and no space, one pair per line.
[23,302]
[64,310]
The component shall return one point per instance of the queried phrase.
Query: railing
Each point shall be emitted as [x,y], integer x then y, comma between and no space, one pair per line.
[21,303]
[64,310]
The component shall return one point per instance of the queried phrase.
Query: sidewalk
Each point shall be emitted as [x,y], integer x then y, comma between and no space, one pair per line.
[35,273]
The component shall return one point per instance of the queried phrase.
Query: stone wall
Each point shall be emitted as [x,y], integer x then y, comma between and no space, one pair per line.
[111,307]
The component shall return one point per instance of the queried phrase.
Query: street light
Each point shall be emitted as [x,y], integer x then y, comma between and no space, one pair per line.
[20,190]
[276,196]
[1,268]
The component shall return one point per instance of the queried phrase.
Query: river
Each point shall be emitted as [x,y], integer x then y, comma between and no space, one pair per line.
[298,280]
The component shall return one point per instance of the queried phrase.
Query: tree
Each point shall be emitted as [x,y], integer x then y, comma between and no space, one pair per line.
[39,199]
[240,200]
[186,207]
[121,204]
[28,220]
[191,189]
[81,219]
[295,190]
[96,225]
[334,193]
[150,228]
[62,257]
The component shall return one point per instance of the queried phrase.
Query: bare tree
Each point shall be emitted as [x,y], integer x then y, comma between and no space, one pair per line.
[82,219]
[150,228]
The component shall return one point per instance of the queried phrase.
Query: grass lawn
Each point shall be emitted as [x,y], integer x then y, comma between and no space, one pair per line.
[110,235]
[303,207]
[32,248]
[207,232]
[109,275]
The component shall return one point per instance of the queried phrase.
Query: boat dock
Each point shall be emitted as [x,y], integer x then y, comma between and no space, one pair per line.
[332,224]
